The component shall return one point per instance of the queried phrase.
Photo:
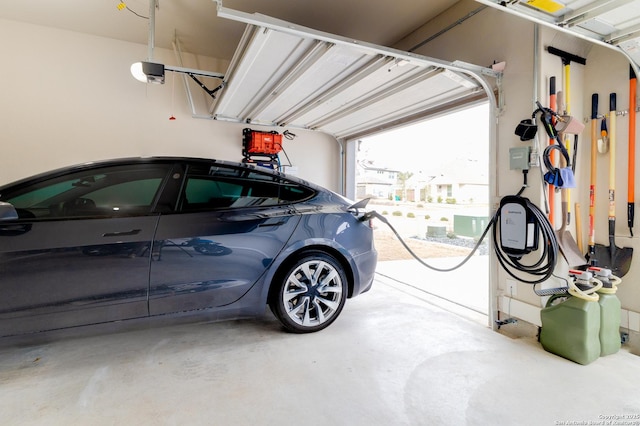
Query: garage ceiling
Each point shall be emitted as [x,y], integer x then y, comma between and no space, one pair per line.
[613,23]
[201,32]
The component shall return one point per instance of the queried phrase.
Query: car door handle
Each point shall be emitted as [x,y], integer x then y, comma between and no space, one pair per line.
[13,230]
[281,222]
[121,233]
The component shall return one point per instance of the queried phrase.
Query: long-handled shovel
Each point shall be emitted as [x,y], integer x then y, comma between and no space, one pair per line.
[591,250]
[615,258]
[632,150]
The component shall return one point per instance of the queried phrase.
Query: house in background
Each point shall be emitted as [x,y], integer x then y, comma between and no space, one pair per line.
[457,185]
[457,181]
[375,182]
[464,181]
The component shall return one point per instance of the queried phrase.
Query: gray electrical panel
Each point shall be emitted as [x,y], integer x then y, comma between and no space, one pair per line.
[519,158]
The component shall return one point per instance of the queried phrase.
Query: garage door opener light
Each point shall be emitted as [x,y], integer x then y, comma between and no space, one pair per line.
[153,72]
[148,72]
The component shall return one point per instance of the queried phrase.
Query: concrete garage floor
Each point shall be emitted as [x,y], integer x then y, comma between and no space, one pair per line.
[392,358]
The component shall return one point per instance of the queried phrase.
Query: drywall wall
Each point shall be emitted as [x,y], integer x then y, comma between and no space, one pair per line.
[69,98]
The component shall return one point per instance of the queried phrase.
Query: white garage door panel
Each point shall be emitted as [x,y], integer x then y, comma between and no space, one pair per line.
[362,90]
[427,95]
[244,85]
[285,75]
[385,97]
[334,66]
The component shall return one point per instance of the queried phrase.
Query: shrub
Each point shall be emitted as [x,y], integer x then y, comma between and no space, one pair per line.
[397,213]
[429,199]
[451,235]
[411,215]
[420,205]
[384,212]
[444,219]
[427,217]
[450,200]
[439,199]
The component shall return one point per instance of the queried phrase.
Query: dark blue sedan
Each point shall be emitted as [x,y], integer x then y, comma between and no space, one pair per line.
[133,238]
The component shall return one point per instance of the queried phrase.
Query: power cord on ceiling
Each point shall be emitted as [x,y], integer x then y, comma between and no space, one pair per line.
[290,136]
[122,6]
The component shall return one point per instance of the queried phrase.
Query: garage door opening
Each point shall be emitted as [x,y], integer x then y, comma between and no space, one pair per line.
[431,181]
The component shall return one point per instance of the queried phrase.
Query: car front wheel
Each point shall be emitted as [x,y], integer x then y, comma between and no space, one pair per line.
[311,293]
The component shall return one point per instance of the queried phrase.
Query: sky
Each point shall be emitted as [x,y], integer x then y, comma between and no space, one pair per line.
[433,144]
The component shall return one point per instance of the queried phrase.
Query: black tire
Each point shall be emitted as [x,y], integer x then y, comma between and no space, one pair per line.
[310,294]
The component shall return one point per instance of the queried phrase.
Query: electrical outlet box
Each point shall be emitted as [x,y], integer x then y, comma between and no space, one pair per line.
[519,158]
[511,288]
[534,159]
[290,170]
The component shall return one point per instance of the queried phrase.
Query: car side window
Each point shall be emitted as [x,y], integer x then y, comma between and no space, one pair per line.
[105,192]
[208,188]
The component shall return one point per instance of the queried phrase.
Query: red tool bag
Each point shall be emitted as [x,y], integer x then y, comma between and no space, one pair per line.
[255,142]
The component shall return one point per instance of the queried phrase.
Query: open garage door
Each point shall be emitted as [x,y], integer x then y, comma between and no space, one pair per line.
[286,75]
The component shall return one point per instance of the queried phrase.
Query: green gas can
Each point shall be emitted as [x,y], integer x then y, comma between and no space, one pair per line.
[571,329]
[609,323]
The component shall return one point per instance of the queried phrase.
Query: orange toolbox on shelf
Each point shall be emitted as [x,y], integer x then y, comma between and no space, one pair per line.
[255,142]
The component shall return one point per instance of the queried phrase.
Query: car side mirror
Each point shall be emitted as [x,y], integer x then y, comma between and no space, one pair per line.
[7,211]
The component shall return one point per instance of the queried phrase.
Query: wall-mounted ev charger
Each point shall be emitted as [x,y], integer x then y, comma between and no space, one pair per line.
[518,227]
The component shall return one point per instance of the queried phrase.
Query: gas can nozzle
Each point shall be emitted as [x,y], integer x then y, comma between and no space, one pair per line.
[600,272]
[581,275]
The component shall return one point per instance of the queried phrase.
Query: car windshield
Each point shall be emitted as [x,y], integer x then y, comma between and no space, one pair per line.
[93,193]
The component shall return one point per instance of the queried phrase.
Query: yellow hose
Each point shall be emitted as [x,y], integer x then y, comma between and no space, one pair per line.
[589,295]
[615,281]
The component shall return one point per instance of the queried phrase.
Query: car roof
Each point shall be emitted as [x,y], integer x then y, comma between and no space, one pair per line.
[153,160]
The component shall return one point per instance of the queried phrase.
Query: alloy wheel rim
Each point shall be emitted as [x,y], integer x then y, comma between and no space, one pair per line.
[312,293]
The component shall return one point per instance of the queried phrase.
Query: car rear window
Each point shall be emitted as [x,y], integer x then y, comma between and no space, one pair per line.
[227,187]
